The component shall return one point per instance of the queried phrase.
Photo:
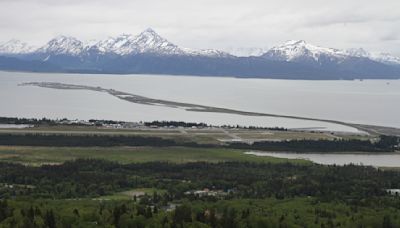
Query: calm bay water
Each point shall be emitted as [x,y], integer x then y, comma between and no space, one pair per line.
[372,159]
[14,126]
[368,102]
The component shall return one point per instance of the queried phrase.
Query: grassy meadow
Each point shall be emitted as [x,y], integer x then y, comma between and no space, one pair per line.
[37,156]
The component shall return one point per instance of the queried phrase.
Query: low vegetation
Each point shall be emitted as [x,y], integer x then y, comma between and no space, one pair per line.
[36,156]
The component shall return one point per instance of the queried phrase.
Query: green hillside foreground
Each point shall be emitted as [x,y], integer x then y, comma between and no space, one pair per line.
[156,182]
[232,194]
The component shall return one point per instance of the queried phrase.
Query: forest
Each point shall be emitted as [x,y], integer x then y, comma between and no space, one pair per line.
[92,178]
[33,121]
[254,195]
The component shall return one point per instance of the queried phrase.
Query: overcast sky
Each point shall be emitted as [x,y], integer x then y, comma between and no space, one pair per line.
[371,24]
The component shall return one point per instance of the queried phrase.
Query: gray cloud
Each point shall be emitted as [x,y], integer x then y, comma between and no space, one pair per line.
[391,36]
[209,23]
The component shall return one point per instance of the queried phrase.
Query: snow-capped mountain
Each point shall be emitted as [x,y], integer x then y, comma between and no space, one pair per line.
[301,51]
[148,42]
[73,54]
[14,47]
[206,53]
[116,45]
[379,57]
[149,53]
[358,52]
[63,45]
[386,58]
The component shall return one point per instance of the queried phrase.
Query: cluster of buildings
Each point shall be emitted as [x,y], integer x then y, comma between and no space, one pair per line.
[393,192]
[207,192]
[101,123]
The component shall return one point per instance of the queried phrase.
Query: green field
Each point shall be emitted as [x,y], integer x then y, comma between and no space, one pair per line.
[201,136]
[128,195]
[55,155]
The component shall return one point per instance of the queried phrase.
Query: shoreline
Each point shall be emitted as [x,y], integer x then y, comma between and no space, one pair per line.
[384,160]
[133,98]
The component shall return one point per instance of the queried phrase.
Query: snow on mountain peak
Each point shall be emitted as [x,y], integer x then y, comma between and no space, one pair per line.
[117,45]
[300,51]
[385,58]
[358,52]
[146,42]
[149,32]
[246,51]
[150,42]
[63,45]
[15,46]
[206,53]
[293,50]
[90,42]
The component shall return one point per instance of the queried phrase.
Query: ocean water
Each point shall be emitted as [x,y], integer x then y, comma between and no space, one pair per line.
[375,102]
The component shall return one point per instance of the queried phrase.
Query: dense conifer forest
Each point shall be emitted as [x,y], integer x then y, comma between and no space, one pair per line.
[243,195]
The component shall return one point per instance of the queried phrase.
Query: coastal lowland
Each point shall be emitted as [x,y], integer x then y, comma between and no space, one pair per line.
[102,173]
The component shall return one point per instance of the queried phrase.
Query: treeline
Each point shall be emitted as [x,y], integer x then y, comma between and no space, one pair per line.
[265,128]
[40,122]
[384,144]
[96,122]
[63,140]
[196,214]
[30,121]
[102,122]
[255,127]
[175,124]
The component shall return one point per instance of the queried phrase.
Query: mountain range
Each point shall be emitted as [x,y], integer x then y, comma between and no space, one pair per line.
[149,53]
